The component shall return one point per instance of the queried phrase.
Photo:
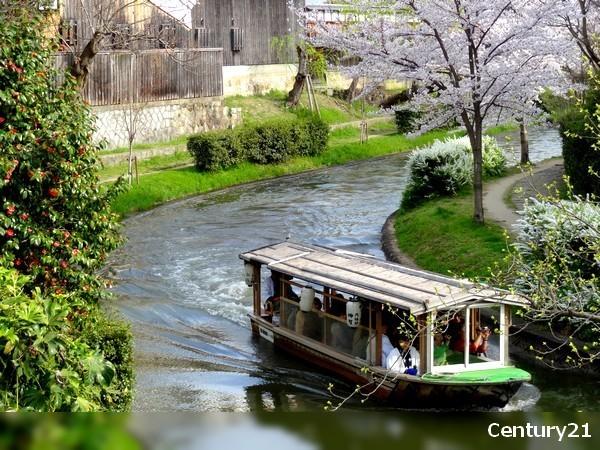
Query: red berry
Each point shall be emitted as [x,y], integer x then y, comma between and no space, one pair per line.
[10,210]
[53,192]
[9,233]
[63,264]
[56,244]
[24,216]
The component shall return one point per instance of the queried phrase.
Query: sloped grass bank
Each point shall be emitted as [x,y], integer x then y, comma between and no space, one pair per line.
[441,236]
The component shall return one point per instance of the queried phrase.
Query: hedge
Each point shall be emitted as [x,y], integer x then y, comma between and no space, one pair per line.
[270,142]
[579,153]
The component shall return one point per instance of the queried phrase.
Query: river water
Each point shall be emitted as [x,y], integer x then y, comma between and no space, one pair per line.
[180,283]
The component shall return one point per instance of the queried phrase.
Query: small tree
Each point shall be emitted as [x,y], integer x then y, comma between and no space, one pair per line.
[475,61]
[55,222]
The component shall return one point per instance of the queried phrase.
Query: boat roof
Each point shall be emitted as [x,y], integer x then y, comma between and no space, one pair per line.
[371,278]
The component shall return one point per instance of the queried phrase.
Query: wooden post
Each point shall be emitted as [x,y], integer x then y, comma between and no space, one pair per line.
[256,290]
[137,173]
[505,331]
[378,331]
[423,341]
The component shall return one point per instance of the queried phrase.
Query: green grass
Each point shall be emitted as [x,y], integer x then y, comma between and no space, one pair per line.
[441,236]
[148,165]
[158,188]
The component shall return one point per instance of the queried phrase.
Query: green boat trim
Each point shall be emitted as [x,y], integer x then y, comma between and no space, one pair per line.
[486,376]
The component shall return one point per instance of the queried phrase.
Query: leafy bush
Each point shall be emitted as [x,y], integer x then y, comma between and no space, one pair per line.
[216,150]
[56,227]
[114,338]
[405,120]
[580,147]
[446,166]
[270,142]
[566,232]
[44,365]
[55,218]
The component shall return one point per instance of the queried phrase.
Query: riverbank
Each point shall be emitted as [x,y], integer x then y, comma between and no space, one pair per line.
[174,184]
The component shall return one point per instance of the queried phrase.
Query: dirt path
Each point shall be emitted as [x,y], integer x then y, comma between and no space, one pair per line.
[527,184]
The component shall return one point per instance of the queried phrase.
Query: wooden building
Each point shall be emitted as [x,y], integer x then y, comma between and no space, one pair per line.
[246,29]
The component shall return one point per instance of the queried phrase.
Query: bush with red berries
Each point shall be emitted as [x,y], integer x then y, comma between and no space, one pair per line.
[56,226]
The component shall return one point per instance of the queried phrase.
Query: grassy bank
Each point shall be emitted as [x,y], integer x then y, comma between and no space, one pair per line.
[441,236]
[158,188]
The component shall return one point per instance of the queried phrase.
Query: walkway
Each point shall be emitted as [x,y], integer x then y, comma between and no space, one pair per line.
[500,201]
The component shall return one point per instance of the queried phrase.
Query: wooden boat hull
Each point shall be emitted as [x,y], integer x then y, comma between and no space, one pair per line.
[402,391]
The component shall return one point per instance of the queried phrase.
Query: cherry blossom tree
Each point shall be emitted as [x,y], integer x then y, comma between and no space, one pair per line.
[581,18]
[475,62]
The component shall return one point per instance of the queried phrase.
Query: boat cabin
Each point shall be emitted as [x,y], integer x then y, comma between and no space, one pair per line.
[357,309]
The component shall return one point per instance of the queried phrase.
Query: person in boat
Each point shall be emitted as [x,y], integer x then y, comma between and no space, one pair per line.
[479,346]
[341,333]
[456,331]
[310,324]
[386,346]
[405,358]
[440,349]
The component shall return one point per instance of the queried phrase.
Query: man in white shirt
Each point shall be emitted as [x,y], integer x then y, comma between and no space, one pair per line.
[386,347]
[405,359]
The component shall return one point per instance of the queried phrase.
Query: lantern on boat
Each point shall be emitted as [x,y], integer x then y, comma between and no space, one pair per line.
[307,298]
[353,314]
[249,274]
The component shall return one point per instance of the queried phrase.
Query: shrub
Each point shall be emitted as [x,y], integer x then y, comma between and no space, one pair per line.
[405,120]
[113,337]
[580,150]
[270,142]
[45,366]
[56,225]
[446,166]
[215,150]
[566,232]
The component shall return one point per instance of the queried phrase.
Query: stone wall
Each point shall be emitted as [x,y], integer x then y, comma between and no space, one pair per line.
[162,121]
[257,80]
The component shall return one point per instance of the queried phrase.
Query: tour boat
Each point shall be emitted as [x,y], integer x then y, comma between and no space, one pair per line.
[337,310]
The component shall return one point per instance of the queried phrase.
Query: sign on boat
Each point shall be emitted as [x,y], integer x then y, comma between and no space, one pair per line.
[412,338]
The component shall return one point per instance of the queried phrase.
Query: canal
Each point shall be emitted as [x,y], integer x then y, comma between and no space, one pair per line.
[180,283]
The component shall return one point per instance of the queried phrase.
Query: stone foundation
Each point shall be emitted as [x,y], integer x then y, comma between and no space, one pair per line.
[163,121]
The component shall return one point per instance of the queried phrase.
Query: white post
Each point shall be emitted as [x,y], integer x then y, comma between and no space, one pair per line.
[467,334]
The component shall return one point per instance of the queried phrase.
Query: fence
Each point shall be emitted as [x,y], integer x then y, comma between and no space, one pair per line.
[122,77]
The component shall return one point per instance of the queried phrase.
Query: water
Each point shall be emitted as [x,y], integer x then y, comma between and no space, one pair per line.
[180,283]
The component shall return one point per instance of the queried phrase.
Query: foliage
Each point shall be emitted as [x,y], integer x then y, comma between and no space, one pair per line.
[471,60]
[555,262]
[579,127]
[55,219]
[45,367]
[270,142]
[113,336]
[405,120]
[446,167]
[56,227]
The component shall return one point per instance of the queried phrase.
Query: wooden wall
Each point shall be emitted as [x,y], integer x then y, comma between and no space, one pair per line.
[259,20]
[121,77]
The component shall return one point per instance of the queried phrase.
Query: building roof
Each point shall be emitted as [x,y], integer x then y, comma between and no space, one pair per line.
[418,291]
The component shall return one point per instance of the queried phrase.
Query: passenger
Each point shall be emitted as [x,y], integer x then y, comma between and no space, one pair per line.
[341,333]
[480,345]
[405,358]
[309,324]
[291,312]
[386,346]
[272,305]
[440,350]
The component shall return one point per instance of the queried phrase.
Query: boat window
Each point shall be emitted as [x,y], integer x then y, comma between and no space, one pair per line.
[467,337]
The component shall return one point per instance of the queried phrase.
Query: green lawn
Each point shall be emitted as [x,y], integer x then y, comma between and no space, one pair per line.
[167,185]
[441,236]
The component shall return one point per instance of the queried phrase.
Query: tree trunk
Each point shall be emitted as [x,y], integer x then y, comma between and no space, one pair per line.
[475,133]
[296,92]
[81,65]
[524,143]
[352,91]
